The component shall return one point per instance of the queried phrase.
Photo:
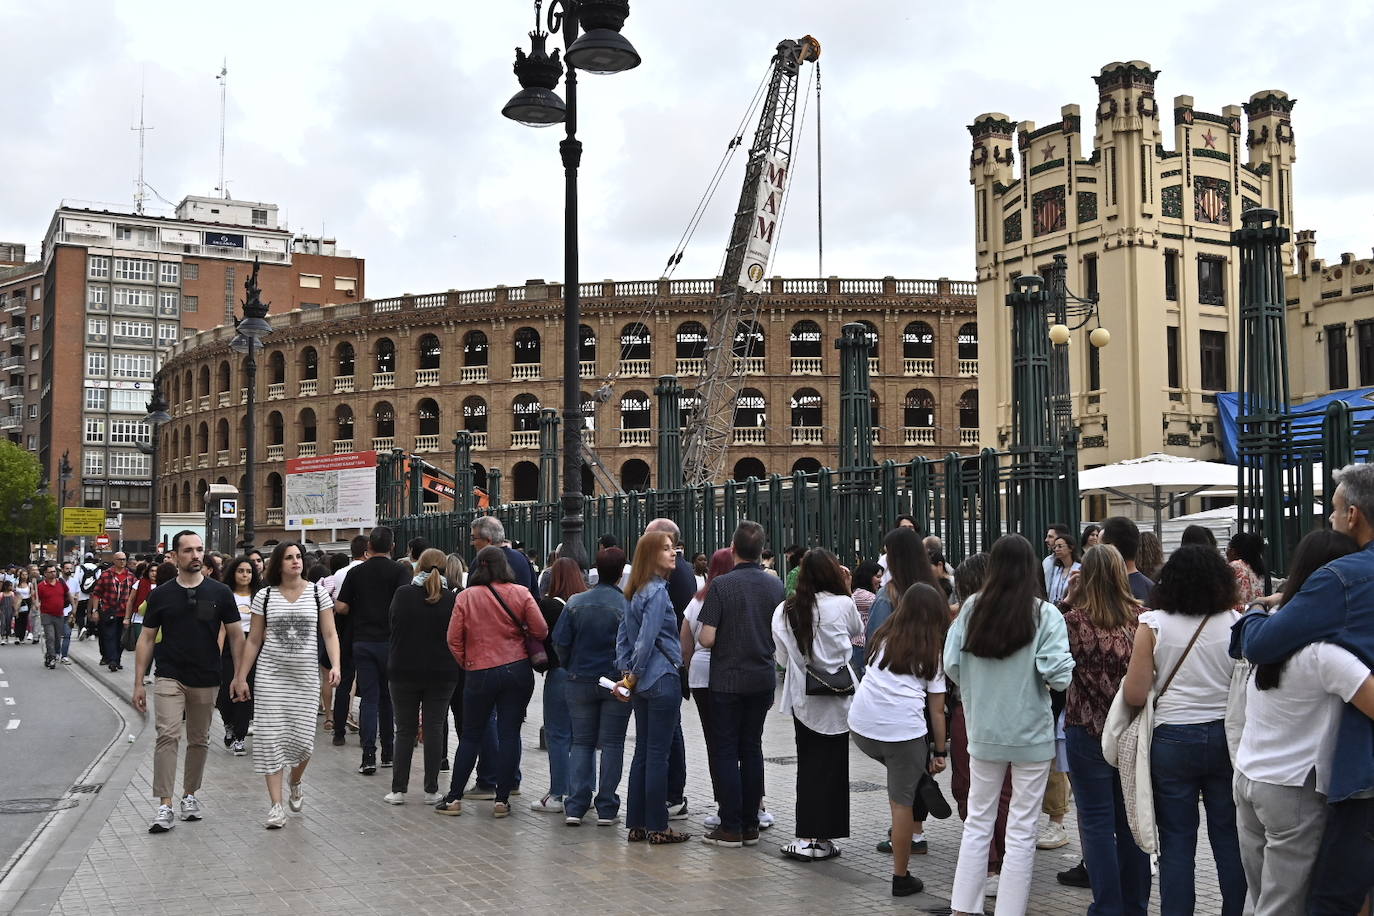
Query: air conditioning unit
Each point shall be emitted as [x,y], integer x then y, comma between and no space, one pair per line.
[114,505]
[350,293]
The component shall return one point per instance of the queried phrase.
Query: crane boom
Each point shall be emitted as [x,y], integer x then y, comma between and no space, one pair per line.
[746,261]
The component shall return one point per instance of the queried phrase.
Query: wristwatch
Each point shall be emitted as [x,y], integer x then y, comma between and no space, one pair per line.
[939,753]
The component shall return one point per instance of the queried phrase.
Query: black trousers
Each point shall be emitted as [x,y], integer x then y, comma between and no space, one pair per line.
[410,700]
[822,783]
[235,716]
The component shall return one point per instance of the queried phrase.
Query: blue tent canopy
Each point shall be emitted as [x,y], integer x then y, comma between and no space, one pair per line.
[1303,430]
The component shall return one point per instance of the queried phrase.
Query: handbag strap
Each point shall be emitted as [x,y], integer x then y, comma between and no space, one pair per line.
[1179,663]
[520,624]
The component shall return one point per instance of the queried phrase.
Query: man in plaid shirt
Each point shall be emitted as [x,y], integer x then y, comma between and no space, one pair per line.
[109,597]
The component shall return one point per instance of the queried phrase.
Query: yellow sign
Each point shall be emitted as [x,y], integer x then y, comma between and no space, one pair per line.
[78,522]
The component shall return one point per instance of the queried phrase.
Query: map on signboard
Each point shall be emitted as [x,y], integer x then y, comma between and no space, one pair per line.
[313,493]
[335,491]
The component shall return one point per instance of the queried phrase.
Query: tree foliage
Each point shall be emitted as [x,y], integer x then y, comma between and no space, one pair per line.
[27,516]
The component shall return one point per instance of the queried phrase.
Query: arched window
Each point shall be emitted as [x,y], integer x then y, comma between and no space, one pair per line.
[635,410]
[428,416]
[343,421]
[635,476]
[308,427]
[919,408]
[635,342]
[806,465]
[968,341]
[474,414]
[527,347]
[918,341]
[691,341]
[475,349]
[310,363]
[871,335]
[384,420]
[222,435]
[589,405]
[276,429]
[186,499]
[343,360]
[276,367]
[524,479]
[749,467]
[385,352]
[968,409]
[874,420]
[804,342]
[751,409]
[430,352]
[526,409]
[587,344]
[174,389]
[688,405]
[203,439]
[806,408]
[274,491]
[223,381]
[748,340]
[204,389]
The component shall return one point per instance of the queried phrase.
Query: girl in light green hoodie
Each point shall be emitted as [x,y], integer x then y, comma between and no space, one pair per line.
[1007,650]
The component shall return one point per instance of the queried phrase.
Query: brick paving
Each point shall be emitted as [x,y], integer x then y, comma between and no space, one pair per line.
[349,852]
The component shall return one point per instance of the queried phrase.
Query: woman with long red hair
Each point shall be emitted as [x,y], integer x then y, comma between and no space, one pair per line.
[565,580]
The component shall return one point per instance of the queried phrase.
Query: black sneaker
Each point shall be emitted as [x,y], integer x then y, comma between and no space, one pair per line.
[339,741]
[906,885]
[369,764]
[386,760]
[933,799]
[1074,877]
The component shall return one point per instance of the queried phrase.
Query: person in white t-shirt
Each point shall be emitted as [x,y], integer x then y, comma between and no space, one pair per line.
[887,720]
[1282,771]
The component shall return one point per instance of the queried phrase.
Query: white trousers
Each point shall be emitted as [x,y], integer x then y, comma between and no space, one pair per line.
[985,786]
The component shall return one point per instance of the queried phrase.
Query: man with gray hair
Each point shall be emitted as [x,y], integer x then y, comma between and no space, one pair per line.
[1336,605]
[488,531]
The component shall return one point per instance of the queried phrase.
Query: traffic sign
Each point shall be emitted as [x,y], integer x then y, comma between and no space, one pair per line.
[80,522]
[102,541]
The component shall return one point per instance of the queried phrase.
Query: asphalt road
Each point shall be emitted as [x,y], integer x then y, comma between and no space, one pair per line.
[52,726]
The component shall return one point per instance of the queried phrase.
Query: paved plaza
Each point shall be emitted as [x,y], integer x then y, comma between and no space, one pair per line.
[349,852]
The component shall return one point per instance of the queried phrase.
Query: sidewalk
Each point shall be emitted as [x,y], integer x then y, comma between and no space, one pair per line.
[349,852]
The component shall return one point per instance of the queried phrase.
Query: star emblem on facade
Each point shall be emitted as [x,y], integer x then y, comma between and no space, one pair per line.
[1210,139]
[1047,153]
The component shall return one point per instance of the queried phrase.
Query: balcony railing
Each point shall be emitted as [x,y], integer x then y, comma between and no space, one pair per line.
[243,395]
[11,421]
[635,436]
[873,365]
[343,384]
[222,458]
[807,435]
[523,371]
[11,362]
[381,381]
[806,365]
[874,432]
[276,452]
[751,365]
[203,402]
[222,399]
[751,435]
[10,392]
[479,440]
[690,367]
[524,438]
[968,368]
[243,455]
[305,450]
[276,391]
[383,443]
[587,368]
[309,387]
[432,509]
[202,460]
[968,436]
[918,367]
[918,435]
[470,374]
[275,515]
[15,304]
[11,332]
[343,446]
[426,443]
[634,368]
[424,377]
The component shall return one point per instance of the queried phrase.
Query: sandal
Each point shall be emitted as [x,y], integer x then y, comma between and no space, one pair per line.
[329,725]
[638,835]
[665,837]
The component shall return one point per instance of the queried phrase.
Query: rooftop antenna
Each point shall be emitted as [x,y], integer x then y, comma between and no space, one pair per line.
[223,79]
[141,187]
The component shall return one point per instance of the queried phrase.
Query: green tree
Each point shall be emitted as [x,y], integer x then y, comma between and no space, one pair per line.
[25,515]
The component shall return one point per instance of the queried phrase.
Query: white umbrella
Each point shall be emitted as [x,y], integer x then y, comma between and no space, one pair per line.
[1145,481]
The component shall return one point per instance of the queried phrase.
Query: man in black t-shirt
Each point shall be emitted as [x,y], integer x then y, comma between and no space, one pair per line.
[365,599]
[181,632]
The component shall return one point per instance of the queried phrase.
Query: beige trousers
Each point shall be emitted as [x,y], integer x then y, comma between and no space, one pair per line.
[171,701]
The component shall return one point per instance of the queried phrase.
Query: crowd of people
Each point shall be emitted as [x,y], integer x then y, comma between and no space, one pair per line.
[1151,692]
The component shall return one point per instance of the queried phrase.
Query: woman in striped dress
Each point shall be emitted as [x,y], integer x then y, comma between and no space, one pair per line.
[281,639]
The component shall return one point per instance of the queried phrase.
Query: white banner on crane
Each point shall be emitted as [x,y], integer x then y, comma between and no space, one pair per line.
[762,235]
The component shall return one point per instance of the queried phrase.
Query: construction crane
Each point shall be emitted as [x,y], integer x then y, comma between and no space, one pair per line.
[747,255]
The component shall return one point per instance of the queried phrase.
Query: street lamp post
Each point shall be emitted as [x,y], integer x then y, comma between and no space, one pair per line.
[157,415]
[601,49]
[252,327]
[64,476]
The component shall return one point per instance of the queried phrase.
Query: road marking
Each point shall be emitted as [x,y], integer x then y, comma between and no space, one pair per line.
[12,725]
[4,683]
[9,701]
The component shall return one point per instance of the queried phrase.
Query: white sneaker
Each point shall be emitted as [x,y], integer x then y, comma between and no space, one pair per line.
[608,821]
[990,887]
[66,660]
[296,800]
[572,821]
[678,812]
[397,798]
[549,803]
[164,820]
[433,798]
[276,817]
[765,819]
[712,821]
[1054,837]
[190,808]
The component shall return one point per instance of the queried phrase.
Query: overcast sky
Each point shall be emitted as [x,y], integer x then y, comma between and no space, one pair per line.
[380,124]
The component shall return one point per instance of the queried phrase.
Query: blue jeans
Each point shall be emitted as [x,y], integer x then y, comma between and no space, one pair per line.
[557,729]
[66,639]
[1187,761]
[658,712]
[374,696]
[858,662]
[737,748]
[486,760]
[111,628]
[1345,861]
[505,689]
[1118,871]
[677,763]
[598,720]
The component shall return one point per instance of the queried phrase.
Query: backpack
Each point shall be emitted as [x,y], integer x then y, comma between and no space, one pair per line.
[88,576]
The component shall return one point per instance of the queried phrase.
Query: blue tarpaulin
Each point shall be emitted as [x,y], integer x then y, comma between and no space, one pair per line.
[1303,430]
